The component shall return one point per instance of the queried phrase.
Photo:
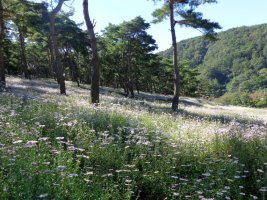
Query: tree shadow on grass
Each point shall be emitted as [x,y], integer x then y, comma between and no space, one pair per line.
[225,119]
[147,103]
[161,107]
[27,90]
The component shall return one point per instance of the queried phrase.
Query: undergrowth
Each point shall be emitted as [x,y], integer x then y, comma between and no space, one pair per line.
[59,150]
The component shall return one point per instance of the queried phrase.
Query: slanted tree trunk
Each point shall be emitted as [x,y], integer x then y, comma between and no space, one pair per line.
[2,64]
[55,58]
[95,58]
[175,100]
[23,55]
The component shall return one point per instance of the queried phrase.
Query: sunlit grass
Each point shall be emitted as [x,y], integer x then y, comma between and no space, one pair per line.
[57,147]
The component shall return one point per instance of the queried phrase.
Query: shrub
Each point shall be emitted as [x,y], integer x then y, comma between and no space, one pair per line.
[237,98]
[259,98]
[256,99]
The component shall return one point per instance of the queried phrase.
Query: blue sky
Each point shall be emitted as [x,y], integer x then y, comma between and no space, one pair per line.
[228,13]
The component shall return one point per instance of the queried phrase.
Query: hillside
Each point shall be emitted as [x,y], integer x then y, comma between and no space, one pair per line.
[237,62]
[62,147]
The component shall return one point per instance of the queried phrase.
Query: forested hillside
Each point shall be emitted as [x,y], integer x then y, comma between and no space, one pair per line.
[101,115]
[236,62]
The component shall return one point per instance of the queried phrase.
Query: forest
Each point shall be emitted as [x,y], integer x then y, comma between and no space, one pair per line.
[88,115]
[126,51]
[234,65]
[208,68]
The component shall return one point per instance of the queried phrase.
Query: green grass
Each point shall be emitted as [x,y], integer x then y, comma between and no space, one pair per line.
[65,148]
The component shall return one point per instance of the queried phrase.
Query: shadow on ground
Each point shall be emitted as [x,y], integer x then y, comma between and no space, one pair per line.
[34,89]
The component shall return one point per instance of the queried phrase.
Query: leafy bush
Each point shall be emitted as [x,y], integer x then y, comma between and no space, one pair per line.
[259,98]
[256,99]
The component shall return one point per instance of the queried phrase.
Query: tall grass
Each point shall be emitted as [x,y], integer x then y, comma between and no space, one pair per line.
[67,149]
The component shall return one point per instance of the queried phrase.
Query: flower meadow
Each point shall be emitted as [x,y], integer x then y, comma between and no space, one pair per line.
[62,147]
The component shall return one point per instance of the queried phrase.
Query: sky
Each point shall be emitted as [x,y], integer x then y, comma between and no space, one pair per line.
[228,13]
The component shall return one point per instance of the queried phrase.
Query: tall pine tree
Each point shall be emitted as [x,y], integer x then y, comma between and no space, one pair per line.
[56,62]
[95,57]
[184,11]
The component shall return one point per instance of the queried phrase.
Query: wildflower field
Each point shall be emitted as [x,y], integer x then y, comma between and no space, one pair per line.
[62,147]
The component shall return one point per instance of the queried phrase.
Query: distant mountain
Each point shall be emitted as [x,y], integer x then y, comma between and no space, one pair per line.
[237,62]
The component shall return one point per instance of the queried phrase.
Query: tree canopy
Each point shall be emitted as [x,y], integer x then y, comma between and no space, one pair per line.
[234,63]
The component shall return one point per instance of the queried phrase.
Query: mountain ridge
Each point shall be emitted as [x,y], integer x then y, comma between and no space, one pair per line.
[236,62]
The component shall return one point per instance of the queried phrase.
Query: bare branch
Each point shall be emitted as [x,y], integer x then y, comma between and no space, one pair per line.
[94,23]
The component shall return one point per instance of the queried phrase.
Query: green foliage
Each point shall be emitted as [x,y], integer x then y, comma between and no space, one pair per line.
[259,98]
[189,80]
[161,14]
[161,77]
[238,98]
[209,88]
[255,99]
[33,20]
[126,54]
[187,16]
[237,61]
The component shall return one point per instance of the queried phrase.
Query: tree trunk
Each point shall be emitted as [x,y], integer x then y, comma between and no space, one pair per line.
[130,88]
[55,52]
[23,55]
[137,86]
[95,58]
[176,93]
[74,72]
[129,70]
[51,59]
[2,64]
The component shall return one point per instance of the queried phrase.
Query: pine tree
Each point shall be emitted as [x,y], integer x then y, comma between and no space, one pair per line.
[185,11]
[95,57]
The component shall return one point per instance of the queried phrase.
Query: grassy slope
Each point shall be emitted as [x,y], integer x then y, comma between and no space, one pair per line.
[59,147]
